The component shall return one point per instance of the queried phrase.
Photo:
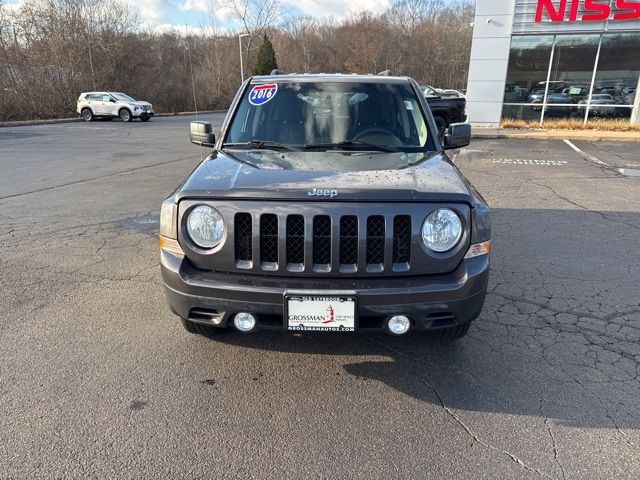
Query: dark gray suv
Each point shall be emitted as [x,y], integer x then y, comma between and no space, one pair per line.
[327,204]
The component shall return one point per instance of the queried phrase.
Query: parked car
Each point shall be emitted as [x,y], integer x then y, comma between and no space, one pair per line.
[445,110]
[555,99]
[602,104]
[327,204]
[449,92]
[93,105]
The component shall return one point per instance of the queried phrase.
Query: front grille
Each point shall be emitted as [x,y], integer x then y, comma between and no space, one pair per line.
[324,243]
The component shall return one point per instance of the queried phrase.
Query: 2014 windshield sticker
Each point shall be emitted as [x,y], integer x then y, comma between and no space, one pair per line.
[261,94]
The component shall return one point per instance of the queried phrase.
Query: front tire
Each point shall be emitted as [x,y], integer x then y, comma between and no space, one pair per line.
[87,114]
[453,333]
[125,115]
[198,328]
[145,118]
[441,125]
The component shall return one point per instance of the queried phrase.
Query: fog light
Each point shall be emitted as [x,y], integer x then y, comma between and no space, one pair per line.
[245,322]
[399,325]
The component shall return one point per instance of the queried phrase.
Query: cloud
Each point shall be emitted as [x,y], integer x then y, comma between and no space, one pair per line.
[150,10]
[339,8]
[197,5]
[215,7]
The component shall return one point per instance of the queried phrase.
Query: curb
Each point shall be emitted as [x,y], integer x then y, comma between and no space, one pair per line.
[26,123]
[589,135]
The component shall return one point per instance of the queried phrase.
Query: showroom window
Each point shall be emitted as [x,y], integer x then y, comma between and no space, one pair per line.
[553,76]
[618,71]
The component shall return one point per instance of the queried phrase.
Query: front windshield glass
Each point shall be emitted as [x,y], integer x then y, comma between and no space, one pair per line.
[123,98]
[325,115]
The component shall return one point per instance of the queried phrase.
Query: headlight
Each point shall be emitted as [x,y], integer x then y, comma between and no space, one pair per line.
[205,226]
[442,230]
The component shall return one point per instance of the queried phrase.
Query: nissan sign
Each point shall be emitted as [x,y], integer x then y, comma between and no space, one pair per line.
[586,10]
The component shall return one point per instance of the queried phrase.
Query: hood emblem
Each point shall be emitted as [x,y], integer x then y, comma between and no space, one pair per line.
[316,192]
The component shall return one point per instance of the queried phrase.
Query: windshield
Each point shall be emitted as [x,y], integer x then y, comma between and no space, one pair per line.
[324,115]
[122,97]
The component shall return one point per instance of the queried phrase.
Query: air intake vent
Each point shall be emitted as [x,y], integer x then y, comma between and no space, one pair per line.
[269,238]
[322,240]
[349,240]
[375,239]
[401,239]
[295,239]
[243,234]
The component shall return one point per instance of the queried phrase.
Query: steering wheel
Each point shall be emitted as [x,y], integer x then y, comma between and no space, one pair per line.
[370,132]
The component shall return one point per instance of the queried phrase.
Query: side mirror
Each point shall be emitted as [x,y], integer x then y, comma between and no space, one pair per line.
[458,135]
[202,134]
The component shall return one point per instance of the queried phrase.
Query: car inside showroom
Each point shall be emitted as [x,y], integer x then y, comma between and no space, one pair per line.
[541,59]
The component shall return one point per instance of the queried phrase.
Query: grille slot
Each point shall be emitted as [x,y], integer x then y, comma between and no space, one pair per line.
[375,239]
[269,238]
[243,236]
[322,240]
[295,239]
[349,240]
[401,239]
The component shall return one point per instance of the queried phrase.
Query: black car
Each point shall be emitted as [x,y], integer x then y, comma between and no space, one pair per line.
[446,109]
[327,204]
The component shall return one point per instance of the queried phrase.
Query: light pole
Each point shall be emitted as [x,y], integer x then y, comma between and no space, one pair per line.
[240,37]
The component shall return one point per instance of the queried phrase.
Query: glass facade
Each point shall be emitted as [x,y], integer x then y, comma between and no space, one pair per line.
[581,76]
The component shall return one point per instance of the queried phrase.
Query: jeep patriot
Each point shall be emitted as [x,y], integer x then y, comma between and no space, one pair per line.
[328,203]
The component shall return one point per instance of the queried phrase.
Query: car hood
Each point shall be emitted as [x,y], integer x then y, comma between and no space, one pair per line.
[339,176]
[140,103]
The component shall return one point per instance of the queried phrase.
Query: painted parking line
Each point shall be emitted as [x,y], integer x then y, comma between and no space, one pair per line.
[587,156]
[527,161]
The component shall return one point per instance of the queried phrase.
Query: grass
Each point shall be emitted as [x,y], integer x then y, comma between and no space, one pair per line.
[602,124]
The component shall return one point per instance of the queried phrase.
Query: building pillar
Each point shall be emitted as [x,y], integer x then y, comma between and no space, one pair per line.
[489,61]
[635,113]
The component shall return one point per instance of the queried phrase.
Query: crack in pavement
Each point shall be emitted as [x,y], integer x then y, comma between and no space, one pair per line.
[455,417]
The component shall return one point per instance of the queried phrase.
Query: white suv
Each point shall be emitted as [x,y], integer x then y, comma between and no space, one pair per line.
[111,105]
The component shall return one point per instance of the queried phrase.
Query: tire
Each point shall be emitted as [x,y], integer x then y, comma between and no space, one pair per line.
[145,118]
[87,114]
[125,115]
[453,333]
[198,328]
[441,125]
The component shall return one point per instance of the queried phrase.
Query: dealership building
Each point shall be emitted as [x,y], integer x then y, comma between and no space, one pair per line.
[542,59]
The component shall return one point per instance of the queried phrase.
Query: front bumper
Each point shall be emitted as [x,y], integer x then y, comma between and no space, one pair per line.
[431,302]
[143,113]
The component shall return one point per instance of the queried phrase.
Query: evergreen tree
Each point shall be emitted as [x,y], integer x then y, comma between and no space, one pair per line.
[266,61]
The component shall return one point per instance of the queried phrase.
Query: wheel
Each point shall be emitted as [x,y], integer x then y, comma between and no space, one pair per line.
[145,118]
[87,114]
[198,328]
[125,115]
[453,333]
[441,125]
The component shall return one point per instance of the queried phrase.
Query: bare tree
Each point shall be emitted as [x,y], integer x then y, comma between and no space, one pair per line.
[81,45]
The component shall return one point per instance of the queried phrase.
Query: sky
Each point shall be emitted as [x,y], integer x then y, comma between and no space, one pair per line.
[175,14]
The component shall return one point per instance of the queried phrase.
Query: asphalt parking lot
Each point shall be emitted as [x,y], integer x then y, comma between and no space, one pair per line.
[99,380]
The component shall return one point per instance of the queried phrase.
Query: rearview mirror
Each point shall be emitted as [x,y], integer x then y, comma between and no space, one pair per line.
[202,134]
[458,135]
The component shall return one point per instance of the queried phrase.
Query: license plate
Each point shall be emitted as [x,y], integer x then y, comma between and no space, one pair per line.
[321,313]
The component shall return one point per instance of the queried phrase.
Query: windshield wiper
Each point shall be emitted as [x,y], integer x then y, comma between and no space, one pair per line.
[351,143]
[263,144]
